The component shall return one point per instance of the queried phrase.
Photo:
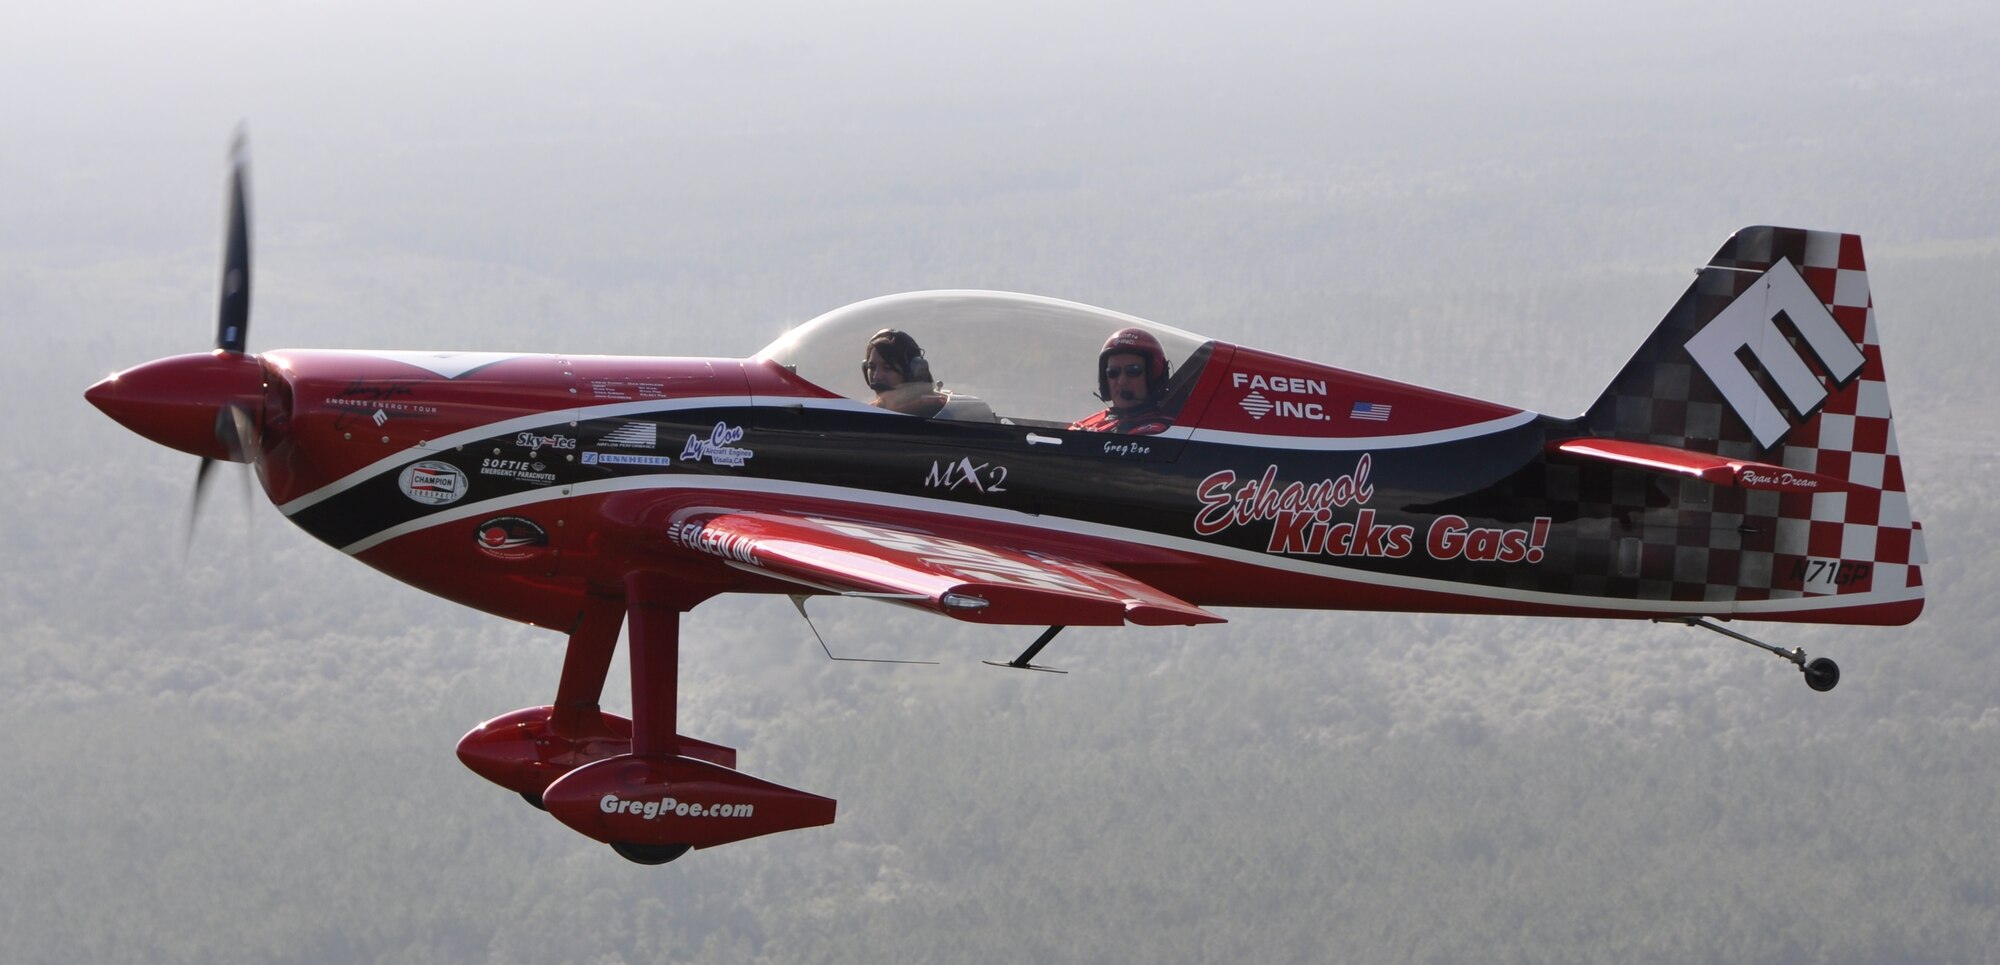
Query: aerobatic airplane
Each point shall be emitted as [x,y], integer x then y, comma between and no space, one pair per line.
[935,450]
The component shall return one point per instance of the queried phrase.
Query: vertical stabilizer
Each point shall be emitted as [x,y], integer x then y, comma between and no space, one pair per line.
[1773,356]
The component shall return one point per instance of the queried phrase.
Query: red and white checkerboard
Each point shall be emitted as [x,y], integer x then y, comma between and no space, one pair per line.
[1852,438]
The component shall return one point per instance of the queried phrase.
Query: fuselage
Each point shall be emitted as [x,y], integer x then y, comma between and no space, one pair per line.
[516,484]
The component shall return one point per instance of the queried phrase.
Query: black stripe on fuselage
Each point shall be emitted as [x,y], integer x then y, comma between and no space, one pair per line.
[1143,483]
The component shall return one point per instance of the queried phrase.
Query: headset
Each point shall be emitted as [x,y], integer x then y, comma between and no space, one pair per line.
[900,350]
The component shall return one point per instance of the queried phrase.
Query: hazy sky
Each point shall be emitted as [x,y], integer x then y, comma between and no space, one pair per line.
[246,753]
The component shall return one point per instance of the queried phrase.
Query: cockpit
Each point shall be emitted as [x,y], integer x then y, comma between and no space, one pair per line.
[993,356]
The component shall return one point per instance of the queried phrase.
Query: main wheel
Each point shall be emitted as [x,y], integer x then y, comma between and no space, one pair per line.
[649,853]
[534,799]
[1822,674]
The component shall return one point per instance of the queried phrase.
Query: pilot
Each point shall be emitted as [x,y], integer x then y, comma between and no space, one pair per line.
[895,367]
[1131,377]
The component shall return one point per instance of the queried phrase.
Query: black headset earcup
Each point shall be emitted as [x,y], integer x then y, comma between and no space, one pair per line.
[919,370]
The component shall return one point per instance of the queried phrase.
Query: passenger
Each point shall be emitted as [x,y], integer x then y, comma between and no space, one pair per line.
[1131,377]
[895,367]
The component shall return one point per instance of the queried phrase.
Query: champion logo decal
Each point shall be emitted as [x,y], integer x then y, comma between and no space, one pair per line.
[433,483]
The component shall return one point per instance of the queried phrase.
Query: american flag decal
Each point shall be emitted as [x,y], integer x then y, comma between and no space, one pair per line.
[1370,411]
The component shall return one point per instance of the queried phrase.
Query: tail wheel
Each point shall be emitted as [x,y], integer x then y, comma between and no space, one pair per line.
[1821,674]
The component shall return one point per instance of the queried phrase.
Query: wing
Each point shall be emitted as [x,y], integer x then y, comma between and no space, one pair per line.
[973,580]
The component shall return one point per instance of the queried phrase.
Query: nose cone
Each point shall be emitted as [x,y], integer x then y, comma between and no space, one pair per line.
[177,401]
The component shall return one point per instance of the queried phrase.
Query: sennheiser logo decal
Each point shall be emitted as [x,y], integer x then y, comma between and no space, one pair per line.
[1751,322]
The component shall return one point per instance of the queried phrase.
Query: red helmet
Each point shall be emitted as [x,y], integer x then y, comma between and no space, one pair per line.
[1134,341]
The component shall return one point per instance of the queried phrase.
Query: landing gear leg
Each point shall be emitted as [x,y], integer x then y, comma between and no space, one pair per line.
[669,794]
[586,664]
[1821,674]
[653,609]
[653,612]
[528,749]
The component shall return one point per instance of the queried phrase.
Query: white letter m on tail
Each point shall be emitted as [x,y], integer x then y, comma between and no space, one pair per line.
[1751,321]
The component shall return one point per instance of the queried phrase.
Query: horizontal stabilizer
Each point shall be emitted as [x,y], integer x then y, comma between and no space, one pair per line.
[1707,467]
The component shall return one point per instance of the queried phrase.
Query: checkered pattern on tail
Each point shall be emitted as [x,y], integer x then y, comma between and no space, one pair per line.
[1697,542]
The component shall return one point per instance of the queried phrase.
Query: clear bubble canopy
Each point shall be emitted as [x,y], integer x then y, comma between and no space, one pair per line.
[1027,358]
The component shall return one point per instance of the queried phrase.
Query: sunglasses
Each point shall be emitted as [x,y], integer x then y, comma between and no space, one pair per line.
[1132,371]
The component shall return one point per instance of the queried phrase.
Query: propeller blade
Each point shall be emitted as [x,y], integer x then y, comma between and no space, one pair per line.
[237,432]
[235,428]
[232,327]
[201,476]
[248,439]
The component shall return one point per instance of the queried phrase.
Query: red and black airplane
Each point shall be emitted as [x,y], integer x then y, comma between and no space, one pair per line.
[1742,465]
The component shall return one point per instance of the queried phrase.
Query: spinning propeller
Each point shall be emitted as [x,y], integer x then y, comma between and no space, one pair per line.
[208,404]
[234,427]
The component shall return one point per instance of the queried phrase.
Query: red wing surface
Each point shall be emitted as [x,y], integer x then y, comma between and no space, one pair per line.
[974,581]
